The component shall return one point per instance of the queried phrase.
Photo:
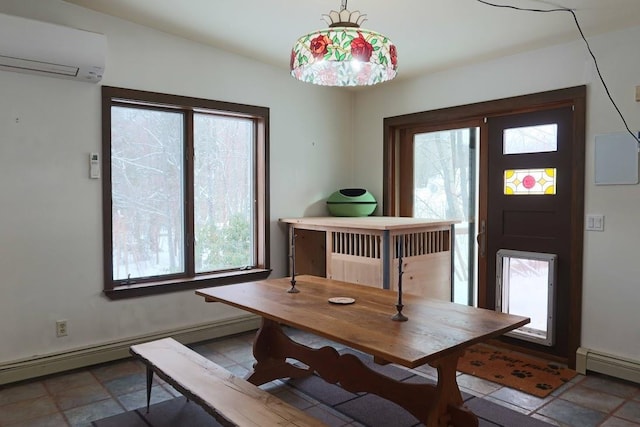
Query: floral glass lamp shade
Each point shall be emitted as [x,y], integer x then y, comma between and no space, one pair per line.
[344,54]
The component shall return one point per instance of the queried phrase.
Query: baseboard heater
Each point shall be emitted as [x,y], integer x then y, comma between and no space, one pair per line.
[78,358]
[615,366]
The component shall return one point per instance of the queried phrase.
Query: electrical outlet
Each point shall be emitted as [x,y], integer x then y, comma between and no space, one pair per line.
[61,328]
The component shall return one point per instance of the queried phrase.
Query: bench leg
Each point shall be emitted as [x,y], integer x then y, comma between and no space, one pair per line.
[149,383]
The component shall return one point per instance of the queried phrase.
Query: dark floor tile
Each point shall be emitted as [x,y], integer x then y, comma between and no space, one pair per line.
[329,394]
[51,420]
[128,419]
[227,346]
[83,416]
[24,410]
[80,396]
[630,411]
[177,412]
[609,385]
[127,383]
[428,370]
[242,355]
[66,381]
[328,416]
[593,399]
[499,415]
[117,369]
[618,422]
[571,414]
[22,391]
[485,423]
[138,399]
[478,385]
[296,399]
[375,411]
[519,398]
[390,370]
[238,370]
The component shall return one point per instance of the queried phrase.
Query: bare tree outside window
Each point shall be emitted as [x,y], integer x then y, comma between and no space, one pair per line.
[147,172]
[444,188]
[223,192]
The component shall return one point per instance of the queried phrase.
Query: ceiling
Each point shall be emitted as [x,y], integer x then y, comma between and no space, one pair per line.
[430,35]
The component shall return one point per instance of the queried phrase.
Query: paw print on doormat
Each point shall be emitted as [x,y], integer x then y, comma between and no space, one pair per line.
[476,363]
[544,386]
[521,374]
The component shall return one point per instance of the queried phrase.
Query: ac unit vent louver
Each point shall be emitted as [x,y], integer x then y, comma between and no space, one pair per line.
[36,47]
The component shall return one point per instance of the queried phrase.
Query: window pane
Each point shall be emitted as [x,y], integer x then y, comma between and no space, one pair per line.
[147,192]
[529,182]
[224,192]
[531,139]
[444,188]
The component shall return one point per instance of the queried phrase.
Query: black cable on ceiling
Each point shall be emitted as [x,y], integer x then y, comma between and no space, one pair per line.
[595,62]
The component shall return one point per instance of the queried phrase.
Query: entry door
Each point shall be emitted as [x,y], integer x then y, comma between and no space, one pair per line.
[529,210]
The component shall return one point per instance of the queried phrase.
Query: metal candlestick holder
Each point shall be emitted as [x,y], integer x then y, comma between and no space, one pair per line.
[399,317]
[292,257]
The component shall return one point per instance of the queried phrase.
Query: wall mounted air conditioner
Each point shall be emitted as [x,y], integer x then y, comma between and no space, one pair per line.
[29,46]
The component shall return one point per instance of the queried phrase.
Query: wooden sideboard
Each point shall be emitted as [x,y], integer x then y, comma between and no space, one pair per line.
[366,250]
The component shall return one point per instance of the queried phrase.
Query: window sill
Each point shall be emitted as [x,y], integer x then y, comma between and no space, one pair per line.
[155,288]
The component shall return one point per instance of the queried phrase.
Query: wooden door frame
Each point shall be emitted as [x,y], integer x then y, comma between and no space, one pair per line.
[395,139]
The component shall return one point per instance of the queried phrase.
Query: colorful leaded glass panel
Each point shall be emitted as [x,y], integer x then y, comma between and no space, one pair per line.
[530,181]
[530,139]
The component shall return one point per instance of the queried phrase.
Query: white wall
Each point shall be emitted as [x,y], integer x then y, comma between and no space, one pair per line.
[50,211]
[611,317]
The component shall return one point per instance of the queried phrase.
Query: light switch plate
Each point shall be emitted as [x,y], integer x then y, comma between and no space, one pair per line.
[594,223]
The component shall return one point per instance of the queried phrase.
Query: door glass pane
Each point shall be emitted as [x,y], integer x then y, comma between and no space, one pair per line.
[445,188]
[518,182]
[525,287]
[147,172]
[224,192]
[530,139]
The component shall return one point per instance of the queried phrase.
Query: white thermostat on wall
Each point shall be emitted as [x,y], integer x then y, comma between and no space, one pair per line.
[94,166]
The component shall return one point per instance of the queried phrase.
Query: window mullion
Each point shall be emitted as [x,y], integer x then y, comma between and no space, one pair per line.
[189,194]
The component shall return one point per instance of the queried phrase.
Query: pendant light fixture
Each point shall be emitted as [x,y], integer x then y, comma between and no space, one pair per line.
[344,54]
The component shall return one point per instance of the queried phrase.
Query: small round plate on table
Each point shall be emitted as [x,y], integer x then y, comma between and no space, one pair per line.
[341,300]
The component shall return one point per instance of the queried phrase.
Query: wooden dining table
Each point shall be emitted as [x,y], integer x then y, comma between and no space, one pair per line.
[436,333]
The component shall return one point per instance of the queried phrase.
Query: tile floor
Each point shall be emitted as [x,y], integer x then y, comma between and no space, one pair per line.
[79,397]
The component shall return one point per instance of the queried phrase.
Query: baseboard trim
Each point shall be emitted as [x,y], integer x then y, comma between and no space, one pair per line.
[608,364]
[39,366]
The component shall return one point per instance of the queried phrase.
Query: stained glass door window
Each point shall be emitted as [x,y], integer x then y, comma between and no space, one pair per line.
[530,181]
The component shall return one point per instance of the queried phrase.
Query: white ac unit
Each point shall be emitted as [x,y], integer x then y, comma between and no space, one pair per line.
[29,46]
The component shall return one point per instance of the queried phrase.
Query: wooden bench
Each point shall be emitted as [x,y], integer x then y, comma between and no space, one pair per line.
[233,401]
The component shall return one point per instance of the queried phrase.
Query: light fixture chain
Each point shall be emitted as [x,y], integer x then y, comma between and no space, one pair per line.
[343,6]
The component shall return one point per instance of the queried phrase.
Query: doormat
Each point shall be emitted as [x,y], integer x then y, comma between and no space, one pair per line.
[512,369]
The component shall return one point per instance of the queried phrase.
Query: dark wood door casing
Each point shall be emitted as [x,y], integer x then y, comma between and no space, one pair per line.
[397,194]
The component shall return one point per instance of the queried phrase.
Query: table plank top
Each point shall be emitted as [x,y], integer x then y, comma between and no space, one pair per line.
[435,328]
[368,222]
